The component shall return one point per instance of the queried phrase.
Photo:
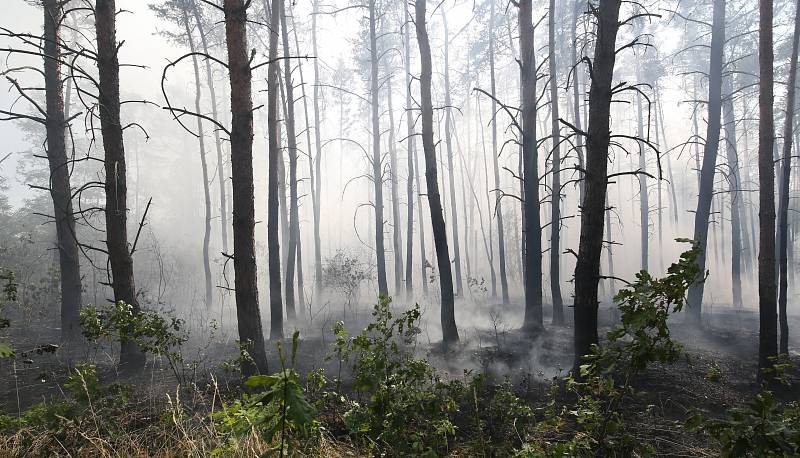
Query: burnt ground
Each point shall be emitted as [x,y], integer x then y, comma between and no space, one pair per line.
[728,342]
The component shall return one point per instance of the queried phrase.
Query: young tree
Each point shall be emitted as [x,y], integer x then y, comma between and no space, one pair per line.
[587,268]
[248,315]
[783,205]
[449,329]
[60,188]
[767,294]
[709,155]
[132,359]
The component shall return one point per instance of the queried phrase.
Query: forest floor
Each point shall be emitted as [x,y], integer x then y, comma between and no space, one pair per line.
[148,415]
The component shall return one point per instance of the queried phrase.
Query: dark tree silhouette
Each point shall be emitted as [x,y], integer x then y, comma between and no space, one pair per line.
[248,316]
[449,329]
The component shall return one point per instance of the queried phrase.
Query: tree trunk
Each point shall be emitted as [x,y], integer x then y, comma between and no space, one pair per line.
[709,157]
[294,223]
[223,206]
[783,206]
[555,195]
[132,359]
[448,125]
[501,248]
[533,231]
[576,95]
[203,164]
[492,273]
[318,161]
[423,256]
[60,189]
[248,315]
[275,160]
[397,236]
[644,201]
[736,198]
[411,152]
[767,297]
[449,329]
[377,170]
[587,268]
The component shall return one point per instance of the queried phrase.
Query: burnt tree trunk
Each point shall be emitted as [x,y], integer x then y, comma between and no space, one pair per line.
[783,205]
[248,315]
[533,231]
[132,359]
[767,294]
[449,329]
[587,268]
[709,156]
[273,223]
[60,188]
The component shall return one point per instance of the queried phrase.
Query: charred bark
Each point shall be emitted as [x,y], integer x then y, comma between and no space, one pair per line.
[248,315]
[587,269]
[767,294]
[132,359]
[449,329]
[783,205]
[60,188]
[533,231]
[709,157]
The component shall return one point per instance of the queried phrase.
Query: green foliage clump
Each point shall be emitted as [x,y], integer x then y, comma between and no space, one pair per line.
[278,408]
[404,405]
[150,331]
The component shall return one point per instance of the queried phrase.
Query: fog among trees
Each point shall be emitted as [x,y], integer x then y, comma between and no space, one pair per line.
[257,228]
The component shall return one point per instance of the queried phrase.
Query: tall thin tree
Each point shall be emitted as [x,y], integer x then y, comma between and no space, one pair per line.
[783,205]
[60,188]
[587,268]
[449,329]
[248,315]
[767,294]
[132,359]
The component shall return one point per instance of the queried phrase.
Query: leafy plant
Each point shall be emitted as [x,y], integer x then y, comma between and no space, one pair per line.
[404,405]
[604,380]
[278,409]
[151,332]
[762,427]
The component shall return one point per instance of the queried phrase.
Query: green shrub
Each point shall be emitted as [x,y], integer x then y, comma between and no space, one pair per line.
[403,404]
[278,408]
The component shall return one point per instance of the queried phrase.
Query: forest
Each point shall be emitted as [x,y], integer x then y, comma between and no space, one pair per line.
[399,228]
